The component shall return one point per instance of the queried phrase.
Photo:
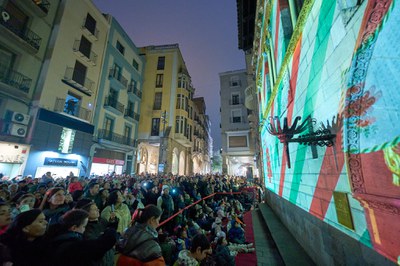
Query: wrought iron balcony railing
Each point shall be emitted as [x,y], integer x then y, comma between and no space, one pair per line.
[132,114]
[114,137]
[89,54]
[15,27]
[78,80]
[15,79]
[113,102]
[133,89]
[114,73]
[61,105]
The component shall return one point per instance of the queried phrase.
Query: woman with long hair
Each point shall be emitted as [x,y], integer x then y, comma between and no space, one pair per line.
[139,245]
[117,210]
[54,205]
[23,238]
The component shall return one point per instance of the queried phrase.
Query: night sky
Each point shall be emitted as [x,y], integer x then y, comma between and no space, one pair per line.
[206,31]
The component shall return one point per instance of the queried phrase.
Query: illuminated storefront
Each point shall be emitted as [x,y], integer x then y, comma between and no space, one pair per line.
[13,158]
[103,166]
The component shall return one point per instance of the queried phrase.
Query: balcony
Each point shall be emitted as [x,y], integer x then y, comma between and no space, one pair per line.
[22,36]
[15,79]
[134,90]
[114,104]
[39,8]
[131,114]
[88,55]
[62,106]
[236,119]
[77,79]
[91,32]
[114,137]
[250,98]
[116,74]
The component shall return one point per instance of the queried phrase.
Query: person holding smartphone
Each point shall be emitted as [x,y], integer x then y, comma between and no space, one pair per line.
[116,209]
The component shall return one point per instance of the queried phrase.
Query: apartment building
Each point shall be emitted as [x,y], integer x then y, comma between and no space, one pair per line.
[25,29]
[117,111]
[166,123]
[61,135]
[237,145]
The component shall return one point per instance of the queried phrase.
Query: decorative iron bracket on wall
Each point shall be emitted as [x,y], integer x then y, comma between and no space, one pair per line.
[324,136]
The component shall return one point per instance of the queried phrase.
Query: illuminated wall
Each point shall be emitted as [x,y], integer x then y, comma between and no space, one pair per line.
[340,62]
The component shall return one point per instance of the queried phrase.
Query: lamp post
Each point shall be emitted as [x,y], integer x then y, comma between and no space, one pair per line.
[162,153]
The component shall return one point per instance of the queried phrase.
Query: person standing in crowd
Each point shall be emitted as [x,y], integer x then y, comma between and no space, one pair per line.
[46,178]
[92,193]
[116,209]
[5,217]
[23,202]
[139,245]
[96,227]
[24,241]
[199,250]
[67,246]
[74,184]
[165,203]
[53,204]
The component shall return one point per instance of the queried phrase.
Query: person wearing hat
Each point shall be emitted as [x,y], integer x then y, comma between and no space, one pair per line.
[24,238]
[165,203]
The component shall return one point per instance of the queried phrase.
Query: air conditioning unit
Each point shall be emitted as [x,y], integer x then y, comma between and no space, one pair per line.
[18,130]
[20,118]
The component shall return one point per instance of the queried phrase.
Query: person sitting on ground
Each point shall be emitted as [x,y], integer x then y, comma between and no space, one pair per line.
[67,245]
[236,233]
[139,243]
[167,247]
[24,238]
[222,253]
[199,250]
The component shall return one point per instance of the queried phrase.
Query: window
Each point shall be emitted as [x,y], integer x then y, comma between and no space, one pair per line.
[127,134]
[161,63]
[135,64]
[66,140]
[108,127]
[130,107]
[72,104]
[182,82]
[155,127]
[113,94]
[90,24]
[159,80]
[85,46]
[235,99]
[237,141]
[236,116]
[120,47]
[234,82]
[157,101]
[177,122]
[16,18]
[79,74]
[7,61]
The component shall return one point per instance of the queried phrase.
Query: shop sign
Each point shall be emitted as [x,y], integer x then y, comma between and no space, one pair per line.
[108,161]
[13,153]
[60,162]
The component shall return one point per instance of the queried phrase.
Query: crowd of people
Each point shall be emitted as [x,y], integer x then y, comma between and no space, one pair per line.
[123,220]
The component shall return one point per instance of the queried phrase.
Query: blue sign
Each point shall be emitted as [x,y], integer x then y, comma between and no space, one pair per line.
[60,162]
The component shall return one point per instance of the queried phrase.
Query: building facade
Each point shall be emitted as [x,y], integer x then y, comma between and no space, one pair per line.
[25,29]
[118,101]
[166,126]
[327,93]
[237,145]
[63,105]
[201,152]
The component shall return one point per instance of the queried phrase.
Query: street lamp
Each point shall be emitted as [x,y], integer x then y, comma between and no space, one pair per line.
[162,153]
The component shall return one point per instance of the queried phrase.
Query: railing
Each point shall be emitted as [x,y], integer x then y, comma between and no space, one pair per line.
[132,114]
[114,73]
[23,32]
[92,56]
[43,5]
[237,119]
[114,137]
[133,89]
[78,80]
[14,79]
[94,33]
[62,105]
[112,102]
